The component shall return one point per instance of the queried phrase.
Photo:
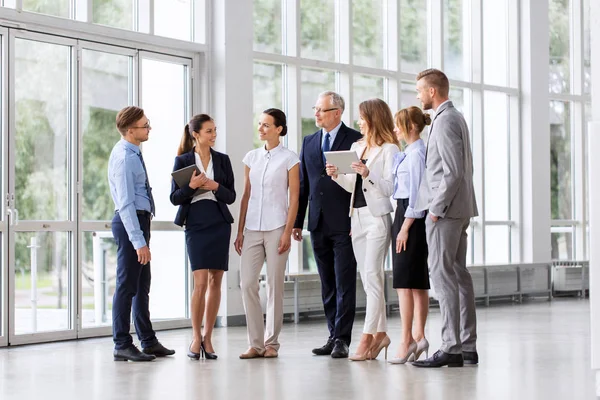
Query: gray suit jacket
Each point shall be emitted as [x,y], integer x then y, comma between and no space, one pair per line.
[447,188]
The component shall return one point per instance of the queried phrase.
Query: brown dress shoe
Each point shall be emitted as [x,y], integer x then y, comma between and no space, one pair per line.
[251,353]
[270,353]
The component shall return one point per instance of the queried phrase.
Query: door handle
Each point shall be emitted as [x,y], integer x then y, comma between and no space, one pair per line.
[9,214]
[16,212]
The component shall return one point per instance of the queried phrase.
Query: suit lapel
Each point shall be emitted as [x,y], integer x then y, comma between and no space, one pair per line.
[444,108]
[374,153]
[216,160]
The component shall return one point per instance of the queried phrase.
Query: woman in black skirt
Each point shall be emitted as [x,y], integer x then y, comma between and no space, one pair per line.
[204,212]
[409,245]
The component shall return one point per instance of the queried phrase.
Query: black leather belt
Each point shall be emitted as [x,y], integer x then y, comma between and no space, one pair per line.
[144,213]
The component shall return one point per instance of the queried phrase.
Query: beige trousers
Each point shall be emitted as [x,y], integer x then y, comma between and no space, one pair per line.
[371,242]
[258,246]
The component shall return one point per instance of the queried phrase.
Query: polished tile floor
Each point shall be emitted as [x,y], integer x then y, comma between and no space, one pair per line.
[537,350]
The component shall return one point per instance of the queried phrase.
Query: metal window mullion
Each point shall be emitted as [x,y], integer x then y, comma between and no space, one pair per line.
[436,33]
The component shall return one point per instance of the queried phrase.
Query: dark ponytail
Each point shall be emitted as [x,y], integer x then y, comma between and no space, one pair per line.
[278,118]
[195,125]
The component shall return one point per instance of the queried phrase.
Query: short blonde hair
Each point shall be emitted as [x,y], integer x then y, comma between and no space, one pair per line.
[436,79]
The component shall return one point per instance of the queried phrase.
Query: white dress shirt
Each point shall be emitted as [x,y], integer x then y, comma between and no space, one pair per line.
[210,173]
[268,204]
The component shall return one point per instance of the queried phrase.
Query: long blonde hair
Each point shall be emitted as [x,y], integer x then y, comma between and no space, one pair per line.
[378,116]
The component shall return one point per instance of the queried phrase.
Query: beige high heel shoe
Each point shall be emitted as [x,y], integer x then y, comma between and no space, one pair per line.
[410,354]
[384,344]
[422,346]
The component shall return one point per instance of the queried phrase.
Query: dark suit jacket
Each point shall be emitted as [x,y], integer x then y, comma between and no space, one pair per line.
[223,174]
[327,199]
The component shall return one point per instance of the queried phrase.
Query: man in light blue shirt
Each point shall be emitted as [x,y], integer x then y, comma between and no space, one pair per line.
[134,208]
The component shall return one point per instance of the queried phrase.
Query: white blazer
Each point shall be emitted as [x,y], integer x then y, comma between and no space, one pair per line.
[378,187]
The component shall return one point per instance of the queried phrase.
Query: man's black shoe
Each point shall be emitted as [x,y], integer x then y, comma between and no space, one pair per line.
[325,350]
[340,349]
[131,353]
[158,350]
[471,357]
[440,359]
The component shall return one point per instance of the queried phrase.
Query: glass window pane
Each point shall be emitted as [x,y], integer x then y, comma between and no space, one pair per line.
[314,82]
[457,96]
[366,87]
[106,88]
[562,243]
[169,275]
[367,33]
[267,26]
[318,29]
[58,8]
[559,12]
[497,248]
[587,55]
[99,260]
[42,93]
[164,99]
[495,42]
[268,86]
[42,270]
[496,160]
[408,96]
[10,3]
[560,160]
[413,35]
[173,18]
[117,13]
[454,40]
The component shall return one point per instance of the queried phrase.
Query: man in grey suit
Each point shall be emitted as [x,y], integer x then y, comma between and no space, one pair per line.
[447,193]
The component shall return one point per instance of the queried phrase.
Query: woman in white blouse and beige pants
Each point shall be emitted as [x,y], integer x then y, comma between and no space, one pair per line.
[264,230]
[370,211]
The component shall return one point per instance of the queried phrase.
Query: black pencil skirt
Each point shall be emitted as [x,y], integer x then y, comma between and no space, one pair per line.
[410,265]
[207,236]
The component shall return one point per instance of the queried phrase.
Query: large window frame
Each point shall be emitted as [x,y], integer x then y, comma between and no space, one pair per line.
[393,75]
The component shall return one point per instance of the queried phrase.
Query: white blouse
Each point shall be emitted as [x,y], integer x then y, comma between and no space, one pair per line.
[210,173]
[268,204]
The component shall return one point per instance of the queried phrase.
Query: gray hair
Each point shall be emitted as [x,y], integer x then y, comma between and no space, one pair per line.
[336,99]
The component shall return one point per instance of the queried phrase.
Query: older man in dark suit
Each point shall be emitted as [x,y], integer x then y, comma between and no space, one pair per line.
[328,222]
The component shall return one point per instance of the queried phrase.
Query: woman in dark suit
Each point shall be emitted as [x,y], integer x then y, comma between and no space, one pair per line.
[204,213]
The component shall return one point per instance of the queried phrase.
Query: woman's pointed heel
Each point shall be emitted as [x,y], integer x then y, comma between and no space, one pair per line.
[422,346]
[410,354]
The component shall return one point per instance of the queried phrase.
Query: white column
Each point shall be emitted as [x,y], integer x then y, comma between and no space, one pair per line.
[594,190]
[534,219]
[230,93]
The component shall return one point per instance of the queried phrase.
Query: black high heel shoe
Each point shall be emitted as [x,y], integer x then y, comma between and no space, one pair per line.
[206,354]
[192,355]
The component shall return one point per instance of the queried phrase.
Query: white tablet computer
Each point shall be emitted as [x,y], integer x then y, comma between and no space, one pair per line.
[342,160]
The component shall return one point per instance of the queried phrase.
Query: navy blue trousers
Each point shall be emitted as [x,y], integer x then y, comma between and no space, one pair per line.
[133,288]
[337,268]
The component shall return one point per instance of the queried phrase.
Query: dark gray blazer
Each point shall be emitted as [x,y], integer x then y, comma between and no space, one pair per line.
[223,174]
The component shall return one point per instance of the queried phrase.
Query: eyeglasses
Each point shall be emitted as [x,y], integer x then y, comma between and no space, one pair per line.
[145,126]
[319,110]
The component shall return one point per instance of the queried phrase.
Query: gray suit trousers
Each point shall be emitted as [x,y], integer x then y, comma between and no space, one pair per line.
[447,241]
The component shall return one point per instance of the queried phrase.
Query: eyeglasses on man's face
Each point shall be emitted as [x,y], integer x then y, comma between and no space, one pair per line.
[145,126]
[320,110]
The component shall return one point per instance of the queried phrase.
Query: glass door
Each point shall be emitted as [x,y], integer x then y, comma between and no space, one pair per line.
[107,84]
[3,176]
[42,188]
[164,94]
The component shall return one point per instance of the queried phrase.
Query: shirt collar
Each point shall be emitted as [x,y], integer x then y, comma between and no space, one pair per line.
[441,105]
[416,145]
[130,146]
[334,131]
[273,151]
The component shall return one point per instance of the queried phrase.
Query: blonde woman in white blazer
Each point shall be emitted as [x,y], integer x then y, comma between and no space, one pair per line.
[370,212]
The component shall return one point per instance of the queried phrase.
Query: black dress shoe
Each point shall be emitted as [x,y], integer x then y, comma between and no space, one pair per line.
[440,359]
[325,350]
[471,357]
[158,350]
[131,354]
[340,349]
[207,355]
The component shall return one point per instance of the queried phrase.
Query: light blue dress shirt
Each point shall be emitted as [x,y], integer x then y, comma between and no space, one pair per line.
[409,167]
[332,135]
[127,182]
